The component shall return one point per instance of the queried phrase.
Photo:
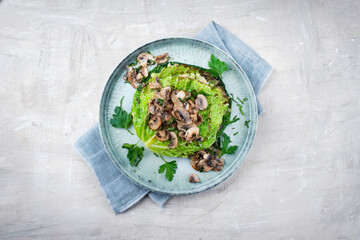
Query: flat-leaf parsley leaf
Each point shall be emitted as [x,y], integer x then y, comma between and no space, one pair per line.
[121,119]
[216,66]
[169,167]
[225,149]
[135,153]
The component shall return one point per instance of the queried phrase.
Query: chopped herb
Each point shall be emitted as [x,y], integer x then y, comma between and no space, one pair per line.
[247,123]
[156,154]
[135,153]
[232,97]
[133,63]
[170,168]
[235,119]
[139,88]
[160,101]
[216,66]
[240,100]
[201,169]
[225,148]
[151,62]
[236,133]
[240,108]
[244,100]
[181,100]
[121,119]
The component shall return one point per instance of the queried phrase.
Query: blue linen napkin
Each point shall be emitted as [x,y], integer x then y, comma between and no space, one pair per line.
[122,193]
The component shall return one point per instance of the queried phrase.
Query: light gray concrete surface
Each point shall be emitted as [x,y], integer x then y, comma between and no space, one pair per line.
[301,179]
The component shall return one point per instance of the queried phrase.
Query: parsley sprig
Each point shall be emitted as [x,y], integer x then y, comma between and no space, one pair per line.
[225,148]
[121,119]
[216,66]
[135,153]
[170,168]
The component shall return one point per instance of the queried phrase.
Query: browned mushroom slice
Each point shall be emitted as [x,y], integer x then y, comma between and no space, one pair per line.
[174,98]
[184,127]
[163,58]
[165,116]
[206,164]
[168,105]
[163,94]
[193,178]
[158,104]
[201,102]
[173,140]
[219,164]
[194,164]
[153,108]
[163,135]
[181,95]
[197,119]
[131,77]
[139,77]
[182,135]
[155,85]
[143,58]
[144,71]
[154,123]
[192,133]
[181,115]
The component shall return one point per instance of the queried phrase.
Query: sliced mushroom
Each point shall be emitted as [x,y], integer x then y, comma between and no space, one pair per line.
[154,108]
[144,71]
[128,69]
[195,158]
[143,58]
[139,77]
[154,123]
[184,127]
[192,133]
[163,94]
[163,58]
[181,95]
[197,119]
[189,106]
[193,178]
[131,77]
[156,84]
[163,135]
[173,140]
[219,164]
[168,105]
[158,104]
[174,98]
[206,164]
[182,135]
[201,102]
[165,116]
[181,115]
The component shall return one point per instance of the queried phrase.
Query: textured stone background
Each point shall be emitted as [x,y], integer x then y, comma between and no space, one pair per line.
[301,179]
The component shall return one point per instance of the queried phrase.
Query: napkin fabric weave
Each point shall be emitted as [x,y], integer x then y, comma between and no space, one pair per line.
[121,192]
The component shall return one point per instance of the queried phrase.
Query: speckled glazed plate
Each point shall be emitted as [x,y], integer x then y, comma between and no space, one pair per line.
[193,52]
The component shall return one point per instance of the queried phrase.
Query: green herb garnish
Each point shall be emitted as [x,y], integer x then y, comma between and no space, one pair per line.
[133,63]
[121,119]
[135,153]
[236,133]
[216,66]
[247,123]
[235,119]
[170,168]
[225,148]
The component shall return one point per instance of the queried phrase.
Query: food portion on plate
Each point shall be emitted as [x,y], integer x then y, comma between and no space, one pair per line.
[178,110]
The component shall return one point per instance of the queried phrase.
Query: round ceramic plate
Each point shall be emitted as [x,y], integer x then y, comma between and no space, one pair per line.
[146,174]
